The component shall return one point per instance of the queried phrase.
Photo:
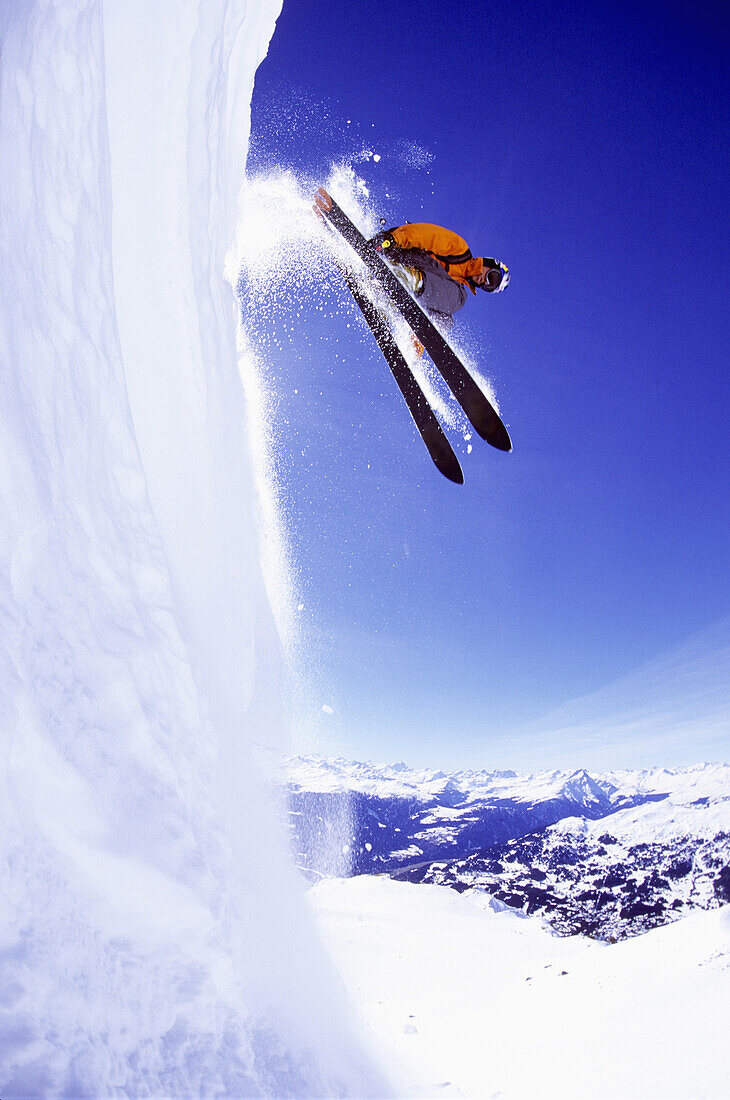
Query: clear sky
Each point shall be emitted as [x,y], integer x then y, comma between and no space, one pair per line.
[586,146]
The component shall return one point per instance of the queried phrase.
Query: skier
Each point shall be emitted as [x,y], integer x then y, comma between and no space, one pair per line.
[438,268]
[425,334]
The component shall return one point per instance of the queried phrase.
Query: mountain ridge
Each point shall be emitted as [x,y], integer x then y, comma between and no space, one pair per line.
[607,855]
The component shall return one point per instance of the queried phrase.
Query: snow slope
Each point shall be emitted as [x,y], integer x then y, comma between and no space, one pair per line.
[153,939]
[466,1000]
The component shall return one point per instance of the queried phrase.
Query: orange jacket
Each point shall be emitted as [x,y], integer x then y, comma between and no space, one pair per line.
[451,250]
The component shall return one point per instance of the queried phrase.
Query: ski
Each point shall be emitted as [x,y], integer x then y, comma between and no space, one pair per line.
[482,415]
[428,426]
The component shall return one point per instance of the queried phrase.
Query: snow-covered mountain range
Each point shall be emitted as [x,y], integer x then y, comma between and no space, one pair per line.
[608,855]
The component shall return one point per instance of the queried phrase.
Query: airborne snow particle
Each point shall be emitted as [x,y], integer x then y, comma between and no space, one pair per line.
[327,709]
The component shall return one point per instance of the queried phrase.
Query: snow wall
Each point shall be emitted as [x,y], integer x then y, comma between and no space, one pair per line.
[153,936]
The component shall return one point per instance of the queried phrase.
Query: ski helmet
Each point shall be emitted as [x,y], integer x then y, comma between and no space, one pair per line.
[497,275]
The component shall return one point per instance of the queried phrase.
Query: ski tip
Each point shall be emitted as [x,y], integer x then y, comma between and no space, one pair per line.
[322,200]
[491,428]
[499,438]
[448,465]
[442,453]
[485,419]
[319,215]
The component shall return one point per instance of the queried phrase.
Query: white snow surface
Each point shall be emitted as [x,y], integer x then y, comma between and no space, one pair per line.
[153,936]
[468,1000]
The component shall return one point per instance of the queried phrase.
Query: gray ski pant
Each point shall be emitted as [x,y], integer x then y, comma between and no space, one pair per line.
[441,294]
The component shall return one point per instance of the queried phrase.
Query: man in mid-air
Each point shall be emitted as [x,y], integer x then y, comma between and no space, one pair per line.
[438,268]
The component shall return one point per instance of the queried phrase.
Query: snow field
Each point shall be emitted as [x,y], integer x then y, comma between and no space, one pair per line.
[466,1000]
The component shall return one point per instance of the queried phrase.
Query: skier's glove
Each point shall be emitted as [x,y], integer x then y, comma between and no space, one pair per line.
[383,241]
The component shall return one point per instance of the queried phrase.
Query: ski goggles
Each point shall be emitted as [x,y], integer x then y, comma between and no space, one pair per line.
[497,276]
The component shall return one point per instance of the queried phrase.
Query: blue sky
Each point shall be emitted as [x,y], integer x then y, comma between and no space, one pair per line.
[585,145]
